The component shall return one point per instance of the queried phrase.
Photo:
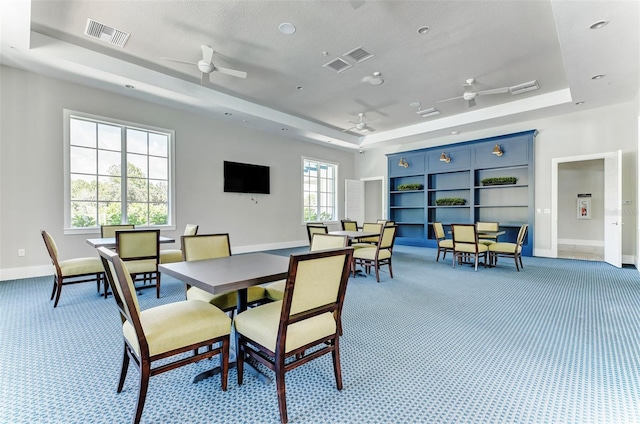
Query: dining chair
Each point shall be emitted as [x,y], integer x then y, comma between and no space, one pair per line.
[275,290]
[313,228]
[175,255]
[71,271]
[109,231]
[211,246]
[378,255]
[368,227]
[444,245]
[465,245]
[141,250]
[487,226]
[511,250]
[277,334]
[163,333]
[348,225]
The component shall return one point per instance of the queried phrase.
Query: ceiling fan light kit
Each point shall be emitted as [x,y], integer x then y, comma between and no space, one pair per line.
[206,66]
[470,94]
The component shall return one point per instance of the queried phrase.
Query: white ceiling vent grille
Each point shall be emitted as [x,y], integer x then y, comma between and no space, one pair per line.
[523,88]
[106,33]
[359,54]
[337,65]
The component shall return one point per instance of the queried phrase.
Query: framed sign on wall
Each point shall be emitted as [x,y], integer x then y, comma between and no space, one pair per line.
[584,206]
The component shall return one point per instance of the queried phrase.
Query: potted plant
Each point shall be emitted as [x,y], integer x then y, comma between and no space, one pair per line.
[450,201]
[498,181]
[410,186]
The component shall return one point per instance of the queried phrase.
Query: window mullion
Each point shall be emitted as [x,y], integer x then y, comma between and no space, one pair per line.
[123,175]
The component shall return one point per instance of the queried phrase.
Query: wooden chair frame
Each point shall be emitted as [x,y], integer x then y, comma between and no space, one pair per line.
[110,230]
[348,225]
[147,276]
[384,243]
[278,361]
[463,255]
[144,362]
[438,230]
[316,228]
[59,280]
[517,249]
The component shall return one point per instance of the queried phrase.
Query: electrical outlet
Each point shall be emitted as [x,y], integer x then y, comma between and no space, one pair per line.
[21,252]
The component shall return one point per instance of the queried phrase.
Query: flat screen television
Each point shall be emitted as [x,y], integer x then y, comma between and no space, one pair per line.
[246,178]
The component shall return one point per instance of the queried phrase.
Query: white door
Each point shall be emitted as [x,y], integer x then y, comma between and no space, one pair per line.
[613,209]
[354,200]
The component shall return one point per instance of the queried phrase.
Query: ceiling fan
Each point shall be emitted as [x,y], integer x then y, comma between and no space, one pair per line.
[470,94]
[206,65]
[360,125]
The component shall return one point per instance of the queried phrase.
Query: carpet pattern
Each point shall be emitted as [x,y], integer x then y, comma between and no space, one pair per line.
[558,342]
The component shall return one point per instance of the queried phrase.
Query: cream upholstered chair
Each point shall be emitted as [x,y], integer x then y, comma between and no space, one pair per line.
[71,271]
[175,255]
[369,227]
[275,290]
[465,245]
[511,250]
[141,250]
[348,225]
[163,332]
[444,245]
[210,246]
[376,256]
[277,334]
[313,228]
[487,226]
[109,231]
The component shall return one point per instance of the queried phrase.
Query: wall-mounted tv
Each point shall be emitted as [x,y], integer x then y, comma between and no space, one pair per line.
[246,178]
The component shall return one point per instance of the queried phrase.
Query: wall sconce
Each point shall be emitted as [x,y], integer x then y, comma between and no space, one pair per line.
[403,163]
[497,151]
[445,158]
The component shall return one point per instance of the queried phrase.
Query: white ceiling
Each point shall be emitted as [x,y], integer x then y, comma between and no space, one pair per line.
[499,43]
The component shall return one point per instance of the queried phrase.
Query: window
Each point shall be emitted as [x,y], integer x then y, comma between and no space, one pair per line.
[98,191]
[319,183]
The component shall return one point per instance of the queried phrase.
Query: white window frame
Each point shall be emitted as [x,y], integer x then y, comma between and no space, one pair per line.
[68,115]
[335,187]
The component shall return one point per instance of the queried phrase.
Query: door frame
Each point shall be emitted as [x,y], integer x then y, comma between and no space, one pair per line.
[383,194]
[554,191]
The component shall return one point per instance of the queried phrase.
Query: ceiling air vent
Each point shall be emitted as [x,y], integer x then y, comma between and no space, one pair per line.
[428,112]
[359,54]
[337,65]
[106,33]
[523,88]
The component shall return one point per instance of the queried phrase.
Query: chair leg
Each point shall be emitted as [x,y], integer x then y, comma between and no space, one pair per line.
[337,370]
[55,284]
[145,373]
[224,363]
[390,269]
[123,370]
[438,255]
[282,391]
[520,257]
[239,360]
[157,285]
[58,291]
[515,258]
[376,265]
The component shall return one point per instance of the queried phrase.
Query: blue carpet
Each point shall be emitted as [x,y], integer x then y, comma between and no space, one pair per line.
[558,342]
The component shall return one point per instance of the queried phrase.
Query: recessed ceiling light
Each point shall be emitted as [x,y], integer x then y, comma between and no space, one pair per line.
[129,86]
[597,77]
[228,113]
[598,25]
[285,129]
[299,87]
[415,104]
[329,141]
[287,28]
[455,132]
[423,29]
[579,103]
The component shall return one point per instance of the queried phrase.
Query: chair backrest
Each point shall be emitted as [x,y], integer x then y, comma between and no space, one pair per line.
[348,225]
[381,221]
[190,230]
[124,293]
[50,244]
[138,245]
[316,229]
[487,226]
[389,223]
[316,285]
[387,237]
[205,246]
[328,241]
[464,233]
[522,233]
[438,229]
[372,227]
[107,231]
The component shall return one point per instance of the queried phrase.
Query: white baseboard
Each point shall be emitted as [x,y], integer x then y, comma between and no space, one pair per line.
[543,253]
[25,272]
[581,242]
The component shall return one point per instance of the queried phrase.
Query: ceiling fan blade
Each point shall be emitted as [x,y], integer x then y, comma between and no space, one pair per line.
[494,91]
[207,53]
[367,128]
[179,61]
[446,100]
[472,102]
[232,72]
[349,129]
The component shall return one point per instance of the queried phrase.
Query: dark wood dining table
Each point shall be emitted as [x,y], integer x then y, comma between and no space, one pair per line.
[230,273]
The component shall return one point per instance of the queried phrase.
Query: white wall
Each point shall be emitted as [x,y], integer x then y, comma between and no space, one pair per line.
[574,178]
[31,171]
[585,132]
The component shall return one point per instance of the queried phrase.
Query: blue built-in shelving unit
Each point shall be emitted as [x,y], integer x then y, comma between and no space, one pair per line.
[414,211]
